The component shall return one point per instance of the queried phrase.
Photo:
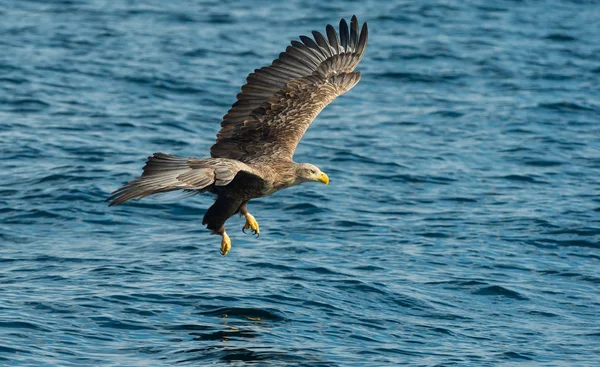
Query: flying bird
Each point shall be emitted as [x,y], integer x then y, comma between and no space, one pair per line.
[253,154]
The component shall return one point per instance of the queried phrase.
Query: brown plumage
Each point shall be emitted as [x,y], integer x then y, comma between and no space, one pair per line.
[252,156]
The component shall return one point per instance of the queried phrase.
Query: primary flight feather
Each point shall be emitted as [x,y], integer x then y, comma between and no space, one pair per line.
[253,154]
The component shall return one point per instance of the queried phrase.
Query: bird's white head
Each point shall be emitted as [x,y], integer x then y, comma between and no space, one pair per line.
[306,172]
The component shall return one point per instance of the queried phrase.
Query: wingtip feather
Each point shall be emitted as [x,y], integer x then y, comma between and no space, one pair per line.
[344,35]
[364,36]
[332,36]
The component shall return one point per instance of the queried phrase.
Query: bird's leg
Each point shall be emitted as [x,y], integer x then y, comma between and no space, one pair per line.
[251,222]
[225,241]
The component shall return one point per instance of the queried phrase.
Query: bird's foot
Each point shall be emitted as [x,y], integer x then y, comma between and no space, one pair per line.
[252,224]
[225,243]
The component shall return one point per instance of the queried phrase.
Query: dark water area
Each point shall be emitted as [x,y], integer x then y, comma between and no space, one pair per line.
[461,225]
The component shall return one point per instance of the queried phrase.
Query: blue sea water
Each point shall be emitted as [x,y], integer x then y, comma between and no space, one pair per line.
[461,226]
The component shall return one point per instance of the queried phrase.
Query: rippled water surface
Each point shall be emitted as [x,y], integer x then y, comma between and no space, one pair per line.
[461,225]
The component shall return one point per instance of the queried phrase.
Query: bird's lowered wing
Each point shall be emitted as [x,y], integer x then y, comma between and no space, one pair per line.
[165,172]
[278,102]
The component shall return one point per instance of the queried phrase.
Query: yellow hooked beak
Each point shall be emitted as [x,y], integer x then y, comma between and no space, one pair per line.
[322,177]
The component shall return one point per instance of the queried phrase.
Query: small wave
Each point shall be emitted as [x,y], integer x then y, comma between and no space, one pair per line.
[362,287]
[168,85]
[515,355]
[572,243]
[351,224]
[117,324]
[449,114]
[5,349]
[368,268]
[441,330]
[181,17]
[13,80]
[198,52]
[21,325]
[246,313]
[137,311]
[521,178]
[496,290]
[560,37]
[408,302]
[564,107]
[418,179]
[231,355]
[167,142]
[586,231]
[226,334]
[459,199]
[321,270]
[189,327]
[542,313]
[59,259]
[492,8]
[305,208]
[346,156]
[320,305]
[553,76]
[419,78]
[433,235]
[460,283]
[541,162]
[518,130]
[222,18]
[24,105]
[32,217]
[271,266]
[52,307]
[394,18]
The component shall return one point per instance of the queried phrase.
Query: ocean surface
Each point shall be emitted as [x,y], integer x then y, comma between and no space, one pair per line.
[461,226]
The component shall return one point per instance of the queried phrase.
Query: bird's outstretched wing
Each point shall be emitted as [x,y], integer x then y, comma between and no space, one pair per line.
[278,102]
[165,172]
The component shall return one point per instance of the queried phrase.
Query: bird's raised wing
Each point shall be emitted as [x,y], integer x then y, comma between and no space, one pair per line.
[278,102]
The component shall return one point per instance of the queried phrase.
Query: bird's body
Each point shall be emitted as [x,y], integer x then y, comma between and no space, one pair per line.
[253,154]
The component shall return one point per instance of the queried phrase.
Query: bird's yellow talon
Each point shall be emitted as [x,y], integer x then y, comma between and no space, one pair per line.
[225,244]
[252,224]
